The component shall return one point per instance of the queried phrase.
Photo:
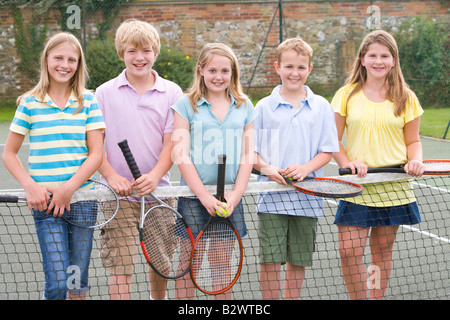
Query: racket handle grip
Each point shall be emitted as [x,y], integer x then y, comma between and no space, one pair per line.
[123,145]
[9,199]
[344,171]
[222,159]
[391,169]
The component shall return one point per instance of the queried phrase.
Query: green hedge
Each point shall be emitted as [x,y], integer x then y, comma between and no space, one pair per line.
[104,64]
[424,47]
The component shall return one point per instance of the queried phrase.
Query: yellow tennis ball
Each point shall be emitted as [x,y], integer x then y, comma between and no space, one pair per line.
[223,212]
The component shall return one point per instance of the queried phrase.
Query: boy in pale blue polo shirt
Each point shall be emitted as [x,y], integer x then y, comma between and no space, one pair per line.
[295,135]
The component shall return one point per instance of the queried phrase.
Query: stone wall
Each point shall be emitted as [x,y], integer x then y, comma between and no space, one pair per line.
[334,29]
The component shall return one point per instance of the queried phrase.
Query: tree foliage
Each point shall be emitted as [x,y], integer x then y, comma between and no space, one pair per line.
[424,46]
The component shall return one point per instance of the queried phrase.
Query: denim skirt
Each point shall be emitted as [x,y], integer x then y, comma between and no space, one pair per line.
[351,214]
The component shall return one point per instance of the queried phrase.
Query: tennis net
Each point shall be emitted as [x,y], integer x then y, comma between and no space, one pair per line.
[421,267]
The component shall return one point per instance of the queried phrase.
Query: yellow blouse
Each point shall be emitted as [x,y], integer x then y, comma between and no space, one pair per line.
[375,136]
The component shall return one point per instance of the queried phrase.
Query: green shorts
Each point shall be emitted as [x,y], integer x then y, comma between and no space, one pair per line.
[285,238]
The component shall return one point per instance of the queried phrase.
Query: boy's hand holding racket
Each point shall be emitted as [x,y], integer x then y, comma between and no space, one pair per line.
[296,172]
[169,255]
[120,184]
[274,174]
[145,184]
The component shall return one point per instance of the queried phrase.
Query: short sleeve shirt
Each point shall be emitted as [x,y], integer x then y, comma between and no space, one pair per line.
[210,137]
[58,145]
[285,135]
[141,119]
[375,136]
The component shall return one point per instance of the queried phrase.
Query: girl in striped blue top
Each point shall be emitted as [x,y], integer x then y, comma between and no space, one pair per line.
[65,125]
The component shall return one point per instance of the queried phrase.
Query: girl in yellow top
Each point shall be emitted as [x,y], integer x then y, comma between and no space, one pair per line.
[382,118]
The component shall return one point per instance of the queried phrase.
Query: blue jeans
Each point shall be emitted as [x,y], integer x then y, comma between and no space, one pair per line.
[66,252]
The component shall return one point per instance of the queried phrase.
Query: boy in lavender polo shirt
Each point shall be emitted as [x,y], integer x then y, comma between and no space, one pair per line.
[136,106]
[295,135]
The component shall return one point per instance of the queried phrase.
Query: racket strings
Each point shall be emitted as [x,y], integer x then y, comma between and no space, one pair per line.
[166,242]
[437,166]
[83,213]
[93,207]
[216,259]
[328,186]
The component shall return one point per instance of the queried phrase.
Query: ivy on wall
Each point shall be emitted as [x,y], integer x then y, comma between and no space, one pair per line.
[30,37]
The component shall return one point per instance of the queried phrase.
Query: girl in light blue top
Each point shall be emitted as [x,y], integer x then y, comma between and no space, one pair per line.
[214,118]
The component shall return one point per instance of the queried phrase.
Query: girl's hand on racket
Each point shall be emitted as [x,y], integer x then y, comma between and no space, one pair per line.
[227,207]
[37,197]
[60,201]
[358,167]
[414,168]
[210,203]
[232,199]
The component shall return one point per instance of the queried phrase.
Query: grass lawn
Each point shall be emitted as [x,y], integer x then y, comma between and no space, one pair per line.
[6,115]
[433,122]
[7,110]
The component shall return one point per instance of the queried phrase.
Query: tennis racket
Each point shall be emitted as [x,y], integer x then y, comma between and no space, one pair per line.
[432,167]
[323,187]
[165,238]
[93,206]
[217,256]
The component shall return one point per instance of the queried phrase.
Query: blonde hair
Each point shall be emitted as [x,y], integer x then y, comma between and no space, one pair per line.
[137,33]
[398,90]
[198,88]
[77,83]
[298,45]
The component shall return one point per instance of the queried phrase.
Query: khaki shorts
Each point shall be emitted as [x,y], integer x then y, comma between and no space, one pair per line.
[120,238]
[285,238]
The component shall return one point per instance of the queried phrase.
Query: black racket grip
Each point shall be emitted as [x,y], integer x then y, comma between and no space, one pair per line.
[223,161]
[221,177]
[392,169]
[123,145]
[343,172]
[9,199]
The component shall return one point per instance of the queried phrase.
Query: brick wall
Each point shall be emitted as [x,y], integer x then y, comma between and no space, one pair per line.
[333,28]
